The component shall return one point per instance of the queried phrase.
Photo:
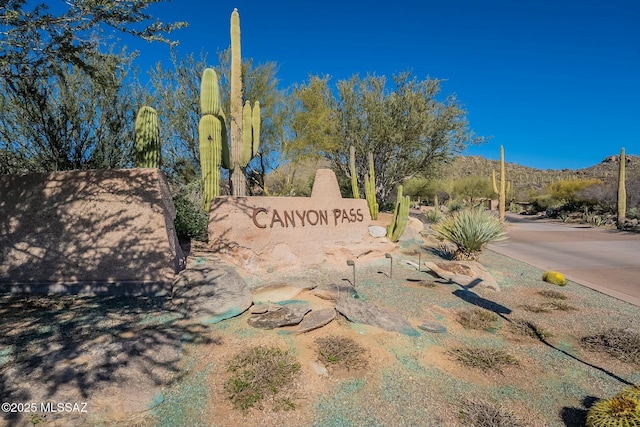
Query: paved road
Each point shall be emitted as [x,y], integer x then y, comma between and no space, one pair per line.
[602,259]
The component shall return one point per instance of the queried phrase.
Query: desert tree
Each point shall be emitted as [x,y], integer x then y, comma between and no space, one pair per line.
[404,124]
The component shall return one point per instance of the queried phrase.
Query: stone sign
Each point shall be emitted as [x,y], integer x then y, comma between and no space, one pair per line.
[289,228]
[97,231]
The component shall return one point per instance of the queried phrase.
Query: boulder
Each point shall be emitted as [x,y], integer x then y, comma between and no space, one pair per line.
[292,313]
[360,312]
[316,319]
[275,293]
[333,291]
[465,273]
[208,294]
[377,231]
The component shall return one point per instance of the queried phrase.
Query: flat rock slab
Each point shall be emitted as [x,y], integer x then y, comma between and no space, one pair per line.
[209,294]
[275,293]
[465,273]
[261,308]
[333,291]
[316,319]
[292,313]
[360,312]
[431,326]
[377,231]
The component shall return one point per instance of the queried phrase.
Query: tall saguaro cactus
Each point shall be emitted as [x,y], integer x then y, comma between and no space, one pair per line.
[501,193]
[147,138]
[370,189]
[622,191]
[400,217]
[354,172]
[245,121]
[212,136]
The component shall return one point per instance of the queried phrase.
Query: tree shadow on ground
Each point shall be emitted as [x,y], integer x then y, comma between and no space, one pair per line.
[71,348]
[577,417]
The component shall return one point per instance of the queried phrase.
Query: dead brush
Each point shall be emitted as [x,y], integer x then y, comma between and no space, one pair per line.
[548,307]
[477,318]
[482,358]
[527,328]
[341,351]
[478,412]
[259,372]
[549,293]
[621,344]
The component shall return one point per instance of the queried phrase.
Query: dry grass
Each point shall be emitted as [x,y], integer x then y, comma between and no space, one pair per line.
[477,318]
[622,344]
[529,329]
[481,413]
[548,307]
[341,351]
[483,358]
[259,372]
[549,293]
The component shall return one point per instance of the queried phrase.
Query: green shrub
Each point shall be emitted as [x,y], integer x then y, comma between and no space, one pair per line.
[259,372]
[191,221]
[434,216]
[470,230]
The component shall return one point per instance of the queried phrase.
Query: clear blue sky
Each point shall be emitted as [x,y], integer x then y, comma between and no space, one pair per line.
[557,82]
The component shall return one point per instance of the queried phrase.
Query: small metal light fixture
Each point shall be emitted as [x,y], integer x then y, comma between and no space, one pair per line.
[387,255]
[353,264]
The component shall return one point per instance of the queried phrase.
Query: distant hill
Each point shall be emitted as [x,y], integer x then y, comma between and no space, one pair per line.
[524,177]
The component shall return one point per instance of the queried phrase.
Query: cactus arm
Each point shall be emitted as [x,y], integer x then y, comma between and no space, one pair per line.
[238,180]
[370,189]
[493,181]
[147,138]
[354,175]
[400,217]
[622,191]
[210,139]
[209,93]
[255,127]
[247,137]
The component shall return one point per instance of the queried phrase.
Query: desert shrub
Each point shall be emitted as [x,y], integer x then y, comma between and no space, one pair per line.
[482,358]
[477,318]
[620,410]
[528,329]
[550,293]
[340,350]
[455,205]
[434,216]
[473,188]
[259,372]
[191,219]
[470,230]
[568,190]
[481,413]
[622,344]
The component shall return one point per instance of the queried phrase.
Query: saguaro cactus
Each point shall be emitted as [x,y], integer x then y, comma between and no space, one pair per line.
[370,189]
[501,193]
[147,138]
[212,136]
[245,121]
[354,172]
[400,217]
[622,191]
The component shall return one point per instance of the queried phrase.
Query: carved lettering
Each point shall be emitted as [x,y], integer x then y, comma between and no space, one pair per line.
[306,217]
[256,211]
[289,217]
[337,213]
[276,218]
[313,221]
[301,216]
[324,218]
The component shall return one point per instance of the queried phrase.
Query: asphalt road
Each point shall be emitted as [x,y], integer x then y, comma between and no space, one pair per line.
[606,260]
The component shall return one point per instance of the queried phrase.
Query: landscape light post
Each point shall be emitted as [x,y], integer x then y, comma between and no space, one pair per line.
[388,255]
[353,264]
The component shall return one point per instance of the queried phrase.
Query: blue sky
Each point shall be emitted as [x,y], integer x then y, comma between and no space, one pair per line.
[557,82]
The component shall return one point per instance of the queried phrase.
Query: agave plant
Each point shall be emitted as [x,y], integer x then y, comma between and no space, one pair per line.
[470,230]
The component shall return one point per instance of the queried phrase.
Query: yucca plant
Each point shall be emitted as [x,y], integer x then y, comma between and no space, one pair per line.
[470,230]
